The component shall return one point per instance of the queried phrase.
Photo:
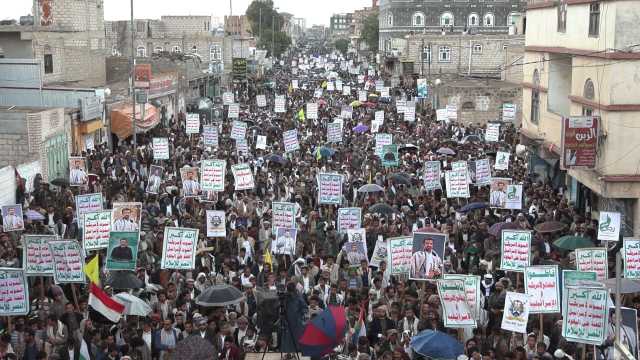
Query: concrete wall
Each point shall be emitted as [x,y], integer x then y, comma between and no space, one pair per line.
[14,47]
[480,101]
[14,140]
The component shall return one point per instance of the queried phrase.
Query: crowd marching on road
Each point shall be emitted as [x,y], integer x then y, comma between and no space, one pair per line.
[324,186]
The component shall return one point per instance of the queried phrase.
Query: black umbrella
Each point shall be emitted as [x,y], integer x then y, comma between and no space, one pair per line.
[194,347]
[124,280]
[275,158]
[220,295]
[382,208]
[60,182]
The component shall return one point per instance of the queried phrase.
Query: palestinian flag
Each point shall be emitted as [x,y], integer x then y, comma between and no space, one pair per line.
[360,329]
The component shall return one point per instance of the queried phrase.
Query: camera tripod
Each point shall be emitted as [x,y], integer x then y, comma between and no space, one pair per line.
[283,326]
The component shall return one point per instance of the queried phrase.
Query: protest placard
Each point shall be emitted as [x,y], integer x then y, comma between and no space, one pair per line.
[349,218]
[234,111]
[216,226]
[609,226]
[14,297]
[280,104]
[210,135]
[456,312]
[122,252]
[385,92]
[95,233]
[452,112]
[483,172]
[160,148]
[410,111]
[441,115]
[432,176]
[346,90]
[382,139]
[631,257]
[334,132]
[261,142]
[243,177]
[261,101]
[379,85]
[193,124]
[36,255]
[508,112]
[213,173]
[513,200]
[362,95]
[457,180]
[346,112]
[515,254]
[516,312]
[471,289]
[339,85]
[126,216]
[238,130]
[401,103]
[380,252]
[390,155]
[379,117]
[329,188]
[283,216]
[227,98]
[68,261]
[492,133]
[242,146]
[400,251]
[295,84]
[585,315]
[541,283]
[77,173]
[593,259]
[87,203]
[312,111]
[179,248]
[502,160]
[290,139]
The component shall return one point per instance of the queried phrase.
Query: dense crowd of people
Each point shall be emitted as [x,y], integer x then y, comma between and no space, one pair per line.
[319,273]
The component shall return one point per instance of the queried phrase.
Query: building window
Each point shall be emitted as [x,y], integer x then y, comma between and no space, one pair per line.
[473,20]
[176,49]
[535,98]
[114,51]
[511,19]
[488,20]
[48,63]
[194,49]
[140,26]
[215,53]
[477,48]
[426,54]
[588,93]
[444,54]
[562,16]
[594,19]
[141,51]
[418,19]
[158,49]
[389,19]
[446,19]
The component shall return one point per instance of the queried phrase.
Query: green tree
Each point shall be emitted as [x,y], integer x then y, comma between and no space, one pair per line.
[263,19]
[341,45]
[371,32]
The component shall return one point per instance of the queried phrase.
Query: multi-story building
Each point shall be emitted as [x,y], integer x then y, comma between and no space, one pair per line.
[174,34]
[316,32]
[66,38]
[400,18]
[359,18]
[340,25]
[582,58]
[237,25]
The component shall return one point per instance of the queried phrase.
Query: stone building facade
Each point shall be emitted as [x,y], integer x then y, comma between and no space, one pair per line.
[403,17]
[176,34]
[67,37]
[482,55]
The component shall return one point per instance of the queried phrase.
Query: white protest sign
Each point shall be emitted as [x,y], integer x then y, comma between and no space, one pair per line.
[243,176]
[513,200]
[362,95]
[483,172]
[502,160]
[193,124]
[441,115]
[631,258]
[238,130]
[346,90]
[14,298]
[541,283]
[216,226]
[382,139]
[312,111]
[87,203]
[280,104]
[594,260]
[283,215]
[380,252]
[379,117]
[96,230]
[212,174]
[456,180]
[69,261]
[471,289]
[492,133]
[515,250]
[585,315]
[410,111]
[290,138]
[452,112]
[508,112]
[210,135]
[609,226]
[432,176]
[36,255]
[261,100]
[400,251]
[234,111]
[261,142]
[516,312]
[160,148]
[349,218]
[455,309]
[179,248]
[329,188]
[227,98]
[334,132]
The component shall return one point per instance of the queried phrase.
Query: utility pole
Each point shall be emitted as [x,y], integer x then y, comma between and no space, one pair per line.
[422,58]
[260,26]
[273,36]
[132,82]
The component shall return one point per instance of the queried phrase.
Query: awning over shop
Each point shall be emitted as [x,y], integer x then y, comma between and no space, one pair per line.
[122,123]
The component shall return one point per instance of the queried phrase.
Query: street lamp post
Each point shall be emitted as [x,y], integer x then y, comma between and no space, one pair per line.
[132,81]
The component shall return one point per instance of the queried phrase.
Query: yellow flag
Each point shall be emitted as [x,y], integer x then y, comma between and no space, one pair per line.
[92,269]
[290,88]
[267,257]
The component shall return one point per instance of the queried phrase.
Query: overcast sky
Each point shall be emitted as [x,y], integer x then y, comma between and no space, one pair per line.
[316,12]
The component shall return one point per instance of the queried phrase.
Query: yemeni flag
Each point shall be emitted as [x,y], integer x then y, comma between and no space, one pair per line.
[84,351]
[360,329]
[104,304]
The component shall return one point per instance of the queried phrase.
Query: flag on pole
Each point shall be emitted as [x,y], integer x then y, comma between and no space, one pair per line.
[101,302]
[360,329]
[84,351]
[267,257]
[92,270]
